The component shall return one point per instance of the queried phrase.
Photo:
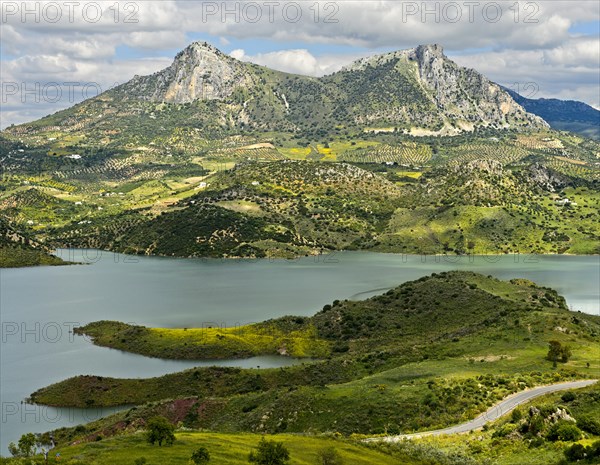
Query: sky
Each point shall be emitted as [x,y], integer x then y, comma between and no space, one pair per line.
[54,54]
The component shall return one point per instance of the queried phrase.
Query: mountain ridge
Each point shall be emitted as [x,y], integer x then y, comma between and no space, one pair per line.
[563,115]
[418,91]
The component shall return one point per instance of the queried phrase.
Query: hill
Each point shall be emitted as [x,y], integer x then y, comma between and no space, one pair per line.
[563,115]
[427,354]
[289,208]
[18,249]
[415,89]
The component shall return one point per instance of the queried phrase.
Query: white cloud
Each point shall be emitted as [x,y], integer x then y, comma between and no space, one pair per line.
[575,53]
[297,61]
[569,70]
[531,43]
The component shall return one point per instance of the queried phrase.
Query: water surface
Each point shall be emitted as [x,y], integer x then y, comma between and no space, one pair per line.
[39,306]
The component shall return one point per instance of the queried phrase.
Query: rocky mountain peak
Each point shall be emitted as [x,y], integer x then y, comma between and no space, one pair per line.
[199,72]
[465,97]
[428,52]
[196,52]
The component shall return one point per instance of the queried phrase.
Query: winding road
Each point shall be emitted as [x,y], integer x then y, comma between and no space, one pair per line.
[500,409]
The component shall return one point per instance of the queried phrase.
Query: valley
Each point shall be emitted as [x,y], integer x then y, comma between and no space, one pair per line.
[280,165]
[327,262]
[486,339]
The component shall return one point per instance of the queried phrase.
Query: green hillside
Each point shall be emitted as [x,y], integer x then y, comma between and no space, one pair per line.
[401,152]
[451,344]
[18,249]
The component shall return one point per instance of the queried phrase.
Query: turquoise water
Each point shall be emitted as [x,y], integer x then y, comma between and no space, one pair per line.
[39,306]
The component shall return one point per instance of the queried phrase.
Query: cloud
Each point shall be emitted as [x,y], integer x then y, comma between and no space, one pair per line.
[569,70]
[578,53]
[35,86]
[297,61]
[522,41]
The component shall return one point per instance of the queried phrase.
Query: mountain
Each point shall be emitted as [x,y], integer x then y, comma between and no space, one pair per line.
[563,115]
[417,91]
[400,152]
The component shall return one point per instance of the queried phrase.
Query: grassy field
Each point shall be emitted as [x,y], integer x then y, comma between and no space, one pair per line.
[224,449]
[208,343]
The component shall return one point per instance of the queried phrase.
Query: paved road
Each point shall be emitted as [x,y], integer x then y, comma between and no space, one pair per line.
[502,408]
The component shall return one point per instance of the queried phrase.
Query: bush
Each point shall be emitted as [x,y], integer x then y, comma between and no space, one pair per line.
[516,415]
[329,456]
[200,456]
[269,453]
[140,461]
[504,430]
[564,431]
[575,452]
[160,430]
[568,396]
[589,424]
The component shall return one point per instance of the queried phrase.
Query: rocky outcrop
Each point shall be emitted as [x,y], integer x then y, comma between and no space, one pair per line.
[464,96]
[546,178]
[465,91]
[200,72]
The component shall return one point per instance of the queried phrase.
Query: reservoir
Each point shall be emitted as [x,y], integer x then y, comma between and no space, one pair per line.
[40,306]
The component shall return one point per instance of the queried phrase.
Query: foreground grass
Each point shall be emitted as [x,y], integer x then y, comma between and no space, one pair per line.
[224,449]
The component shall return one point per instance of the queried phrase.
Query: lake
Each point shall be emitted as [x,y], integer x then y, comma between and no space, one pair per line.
[39,306]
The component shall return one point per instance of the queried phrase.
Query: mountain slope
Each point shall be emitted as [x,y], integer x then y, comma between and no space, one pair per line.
[414,90]
[18,249]
[565,115]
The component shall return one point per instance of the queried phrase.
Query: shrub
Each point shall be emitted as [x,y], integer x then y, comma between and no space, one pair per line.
[504,430]
[200,456]
[329,456]
[589,424]
[160,430]
[568,396]
[516,415]
[575,452]
[564,431]
[269,453]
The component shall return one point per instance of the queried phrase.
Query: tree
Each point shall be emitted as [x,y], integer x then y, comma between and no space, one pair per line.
[329,456]
[200,456]
[269,453]
[558,352]
[25,446]
[160,430]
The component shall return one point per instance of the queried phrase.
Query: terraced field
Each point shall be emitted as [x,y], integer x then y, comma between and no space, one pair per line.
[405,154]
